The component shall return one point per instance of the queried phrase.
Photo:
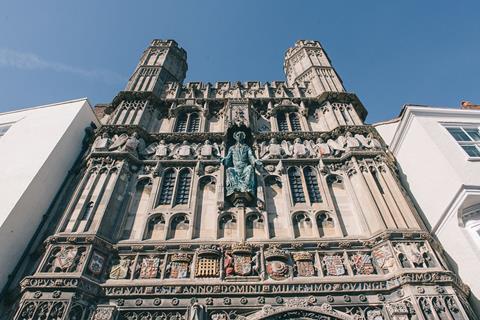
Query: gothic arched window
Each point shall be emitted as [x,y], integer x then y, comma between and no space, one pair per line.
[183,187]
[187,122]
[296,187]
[282,122]
[168,185]
[227,226]
[294,122]
[181,125]
[255,226]
[288,121]
[193,123]
[326,226]
[312,185]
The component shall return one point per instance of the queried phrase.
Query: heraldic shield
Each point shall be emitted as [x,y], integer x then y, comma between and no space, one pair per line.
[277,263]
[304,264]
[179,266]
[65,258]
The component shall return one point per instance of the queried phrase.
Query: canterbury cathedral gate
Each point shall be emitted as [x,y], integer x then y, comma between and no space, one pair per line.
[238,201]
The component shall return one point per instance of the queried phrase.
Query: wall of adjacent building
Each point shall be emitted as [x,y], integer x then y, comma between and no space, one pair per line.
[442,179]
[37,152]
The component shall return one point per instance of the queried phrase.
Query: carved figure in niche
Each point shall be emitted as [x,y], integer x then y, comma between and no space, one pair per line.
[179,266]
[208,150]
[304,264]
[335,147]
[384,258]
[228,264]
[333,265]
[121,269]
[197,312]
[322,148]
[132,143]
[102,142]
[362,264]
[240,173]
[411,252]
[96,263]
[184,151]
[272,150]
[67,259]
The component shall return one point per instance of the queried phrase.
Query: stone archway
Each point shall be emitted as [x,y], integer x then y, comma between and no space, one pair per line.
[302,312]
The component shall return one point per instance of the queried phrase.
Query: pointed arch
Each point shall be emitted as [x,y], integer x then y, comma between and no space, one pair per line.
[168,186]
[138,205]
[325,224]
[255,227]
[155,228]
[227,226]
[312,184]
[181,123]
[193,122]
[296,188]
[302,225]
[179,226]
[183,186]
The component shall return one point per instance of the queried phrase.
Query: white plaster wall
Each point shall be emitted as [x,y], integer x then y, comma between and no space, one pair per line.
[37,153]
[435,170]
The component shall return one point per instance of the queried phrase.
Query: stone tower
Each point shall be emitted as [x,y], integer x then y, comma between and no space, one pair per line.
[161,62]
[308,62]
[243,201]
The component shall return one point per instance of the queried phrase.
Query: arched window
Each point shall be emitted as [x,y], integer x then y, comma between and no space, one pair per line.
[302,225]
[282,122]
[187,122]
[288,121]
[296,188]
[193,123]
[326,226]
[155,228]
[312,185]
[179,227]
[181,125]
[87,211]
[294,122]
[183,187]
[227,226]
[168,185]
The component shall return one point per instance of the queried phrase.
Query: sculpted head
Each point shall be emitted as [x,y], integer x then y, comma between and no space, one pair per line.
[348,134]
[273,141]
[162,141]
[320,140]
[297,140]
[239,136]
[185,142]
[207,142]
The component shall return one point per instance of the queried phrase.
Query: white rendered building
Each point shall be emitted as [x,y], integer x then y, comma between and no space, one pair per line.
[38,146]
[438,151]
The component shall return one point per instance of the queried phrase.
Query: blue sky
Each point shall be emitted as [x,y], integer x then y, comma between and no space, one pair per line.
[388,52]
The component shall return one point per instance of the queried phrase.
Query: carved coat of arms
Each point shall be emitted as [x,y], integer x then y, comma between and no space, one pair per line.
[362,263]
[65,258]
[120,270]
[242,264]
[149,268]
[96,263]
[304,264]
[278,269]
[383,258]
[179,266]
[334,265]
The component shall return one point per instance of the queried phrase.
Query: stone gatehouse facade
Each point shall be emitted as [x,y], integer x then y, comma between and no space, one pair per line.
[149,232]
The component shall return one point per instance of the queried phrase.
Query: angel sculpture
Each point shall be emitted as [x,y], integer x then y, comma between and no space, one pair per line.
[126,143]
[369,142]
[160,150]
[208,150]
[272,150]
[184,151]
[335,147]
[298,149]
[102,142]
[322,148]
[348,141]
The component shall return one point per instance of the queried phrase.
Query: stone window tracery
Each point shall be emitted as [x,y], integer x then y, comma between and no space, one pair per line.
[168,186]
[295,179]
[312,185]
[326,225]
[183,187]
[288,121]
[302,225]
[302,185]
[187,122]
[179,227]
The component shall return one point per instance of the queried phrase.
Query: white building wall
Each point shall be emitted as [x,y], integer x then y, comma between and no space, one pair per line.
[442,179]
[36,154]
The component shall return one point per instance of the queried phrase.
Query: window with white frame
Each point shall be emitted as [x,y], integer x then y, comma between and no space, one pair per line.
[468,137]
[4,128]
